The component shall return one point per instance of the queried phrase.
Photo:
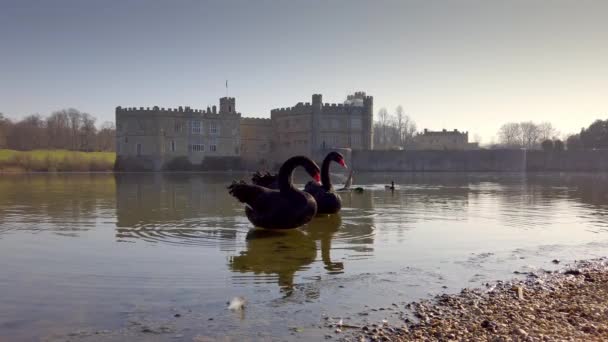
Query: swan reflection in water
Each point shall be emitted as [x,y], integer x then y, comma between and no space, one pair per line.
[284,253]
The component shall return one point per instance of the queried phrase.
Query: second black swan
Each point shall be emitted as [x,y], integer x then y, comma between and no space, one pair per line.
[328,201]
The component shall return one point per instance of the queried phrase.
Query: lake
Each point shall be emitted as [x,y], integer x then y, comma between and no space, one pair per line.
[157,256]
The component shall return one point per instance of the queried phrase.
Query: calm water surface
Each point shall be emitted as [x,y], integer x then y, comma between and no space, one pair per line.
[116,255]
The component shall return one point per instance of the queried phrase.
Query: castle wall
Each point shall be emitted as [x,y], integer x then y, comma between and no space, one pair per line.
[159,135]
[256,142]
[309,127]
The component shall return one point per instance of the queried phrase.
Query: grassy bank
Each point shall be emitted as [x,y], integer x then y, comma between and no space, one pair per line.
[55,161]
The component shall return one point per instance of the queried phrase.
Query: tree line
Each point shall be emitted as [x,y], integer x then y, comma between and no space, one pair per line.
[526,134]
[393,131]
[544,136]
[68,129]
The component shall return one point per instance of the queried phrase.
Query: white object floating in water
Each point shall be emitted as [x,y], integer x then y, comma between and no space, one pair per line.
[237,303]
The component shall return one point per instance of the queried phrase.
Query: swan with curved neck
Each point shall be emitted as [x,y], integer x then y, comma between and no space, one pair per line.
[284,208]
[328,202]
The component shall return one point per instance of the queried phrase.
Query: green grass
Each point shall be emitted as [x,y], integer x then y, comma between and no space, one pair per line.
[55,161]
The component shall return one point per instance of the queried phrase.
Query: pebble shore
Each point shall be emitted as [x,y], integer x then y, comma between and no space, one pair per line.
[571,305]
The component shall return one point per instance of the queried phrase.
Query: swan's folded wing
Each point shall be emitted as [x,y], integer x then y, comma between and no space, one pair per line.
[313,187]
[266,180]
[247,193]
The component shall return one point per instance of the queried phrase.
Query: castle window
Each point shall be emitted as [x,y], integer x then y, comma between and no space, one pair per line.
[229,109]
[172,145]
[197,148]
[178,127]
[213,129]
[213,145]
[139,150]
[196,127]
[118,147]
[355,123]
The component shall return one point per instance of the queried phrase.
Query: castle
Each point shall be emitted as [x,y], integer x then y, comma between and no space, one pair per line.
[155,139]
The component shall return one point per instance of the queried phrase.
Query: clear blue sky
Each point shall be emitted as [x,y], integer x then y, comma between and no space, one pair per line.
[470,65]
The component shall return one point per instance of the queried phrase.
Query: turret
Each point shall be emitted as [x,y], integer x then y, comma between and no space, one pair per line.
[227,105]
[317,108]
[368,121]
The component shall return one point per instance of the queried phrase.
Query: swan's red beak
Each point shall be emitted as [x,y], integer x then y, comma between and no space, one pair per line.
[343,163]
[317,177]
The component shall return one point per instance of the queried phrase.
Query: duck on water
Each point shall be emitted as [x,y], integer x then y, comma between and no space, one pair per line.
[284,208]
[328,202]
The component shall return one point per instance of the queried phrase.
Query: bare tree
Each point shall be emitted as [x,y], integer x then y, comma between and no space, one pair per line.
[106,137]
[87,132]
[4,127]
[75,119]
[399,123]
[383,117]
[546,131]
[28,134]
[58,129]
[530,134]
[409,131]
[510,135]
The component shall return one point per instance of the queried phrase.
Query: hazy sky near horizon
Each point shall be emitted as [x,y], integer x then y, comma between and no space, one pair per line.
[471,65]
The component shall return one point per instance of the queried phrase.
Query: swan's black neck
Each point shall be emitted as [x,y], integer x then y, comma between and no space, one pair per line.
[286,171]
[325,179]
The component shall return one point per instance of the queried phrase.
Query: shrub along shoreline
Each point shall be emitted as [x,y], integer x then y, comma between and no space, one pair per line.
[56,161]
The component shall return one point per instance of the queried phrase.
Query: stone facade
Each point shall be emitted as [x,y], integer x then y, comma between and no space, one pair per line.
[156,136]
[256,142]
[308,128]
[443,140]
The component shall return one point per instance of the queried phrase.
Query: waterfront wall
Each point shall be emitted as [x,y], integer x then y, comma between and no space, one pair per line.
[481,161]
[435,161]
[418,161]
[567,161]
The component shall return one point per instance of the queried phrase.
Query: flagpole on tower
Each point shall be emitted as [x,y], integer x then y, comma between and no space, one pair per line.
[226,88]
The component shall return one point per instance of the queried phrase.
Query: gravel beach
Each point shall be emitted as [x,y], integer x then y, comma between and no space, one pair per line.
[571,304]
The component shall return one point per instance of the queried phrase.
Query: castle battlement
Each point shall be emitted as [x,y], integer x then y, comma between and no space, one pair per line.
[300,108]
[256,121]
[158,110]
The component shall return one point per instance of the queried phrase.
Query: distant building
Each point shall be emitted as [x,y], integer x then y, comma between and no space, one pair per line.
[308,128]
[156,136]
[443,140]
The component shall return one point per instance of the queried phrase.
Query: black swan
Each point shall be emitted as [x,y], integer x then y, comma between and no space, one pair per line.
[285,208]
[328,202]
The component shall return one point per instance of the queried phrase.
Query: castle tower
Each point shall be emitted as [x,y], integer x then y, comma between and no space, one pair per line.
[317,109]
[227,105]
[368,123]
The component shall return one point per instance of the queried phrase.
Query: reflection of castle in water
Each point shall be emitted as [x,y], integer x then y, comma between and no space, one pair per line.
[174,208]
